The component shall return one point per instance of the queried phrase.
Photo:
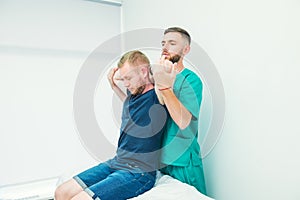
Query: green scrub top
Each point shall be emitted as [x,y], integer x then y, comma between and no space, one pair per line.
[181,146]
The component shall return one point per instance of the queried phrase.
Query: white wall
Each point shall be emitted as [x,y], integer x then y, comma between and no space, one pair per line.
[255,46]
[43,45]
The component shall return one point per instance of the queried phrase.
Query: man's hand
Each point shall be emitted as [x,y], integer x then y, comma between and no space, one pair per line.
[164,74]
[111,78]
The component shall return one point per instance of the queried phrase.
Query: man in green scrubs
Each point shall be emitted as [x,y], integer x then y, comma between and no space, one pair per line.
[180,90]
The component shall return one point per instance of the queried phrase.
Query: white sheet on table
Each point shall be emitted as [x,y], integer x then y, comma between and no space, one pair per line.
[168,188]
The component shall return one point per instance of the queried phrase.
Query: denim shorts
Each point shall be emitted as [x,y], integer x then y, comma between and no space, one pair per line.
[105,183]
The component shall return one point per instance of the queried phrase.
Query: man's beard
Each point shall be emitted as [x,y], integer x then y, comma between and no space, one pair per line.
[175,58]
[139,90]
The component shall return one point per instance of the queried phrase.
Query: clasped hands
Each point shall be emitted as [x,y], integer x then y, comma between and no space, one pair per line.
[164,74]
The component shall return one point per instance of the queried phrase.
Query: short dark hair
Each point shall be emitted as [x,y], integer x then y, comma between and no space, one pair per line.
[183,32]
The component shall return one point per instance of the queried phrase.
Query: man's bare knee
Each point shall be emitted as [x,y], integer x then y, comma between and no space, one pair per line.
[82,196]
[67,190]
[59,193]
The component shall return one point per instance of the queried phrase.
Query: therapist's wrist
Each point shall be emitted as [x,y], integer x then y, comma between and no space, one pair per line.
[166,88]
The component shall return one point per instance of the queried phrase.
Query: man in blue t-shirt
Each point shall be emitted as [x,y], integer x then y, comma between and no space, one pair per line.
[133,170]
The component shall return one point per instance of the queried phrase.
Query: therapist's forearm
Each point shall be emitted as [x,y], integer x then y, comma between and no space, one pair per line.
[180,115]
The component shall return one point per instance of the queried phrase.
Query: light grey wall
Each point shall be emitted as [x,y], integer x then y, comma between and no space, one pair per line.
[43,45]
[255,46]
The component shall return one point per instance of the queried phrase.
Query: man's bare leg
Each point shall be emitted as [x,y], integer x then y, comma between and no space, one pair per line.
[82,196]
[67,190]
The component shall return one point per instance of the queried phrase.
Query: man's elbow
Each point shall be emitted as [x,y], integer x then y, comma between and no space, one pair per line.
[182,126]
[185,123]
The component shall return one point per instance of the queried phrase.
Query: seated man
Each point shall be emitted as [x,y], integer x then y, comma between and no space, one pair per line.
[133,170]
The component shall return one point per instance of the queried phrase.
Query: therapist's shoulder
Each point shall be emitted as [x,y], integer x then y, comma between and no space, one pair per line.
[191,77]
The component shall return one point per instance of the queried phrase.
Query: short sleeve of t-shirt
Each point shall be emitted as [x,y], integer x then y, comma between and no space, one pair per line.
[189,87]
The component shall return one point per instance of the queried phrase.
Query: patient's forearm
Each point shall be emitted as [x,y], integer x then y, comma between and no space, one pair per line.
[120,93]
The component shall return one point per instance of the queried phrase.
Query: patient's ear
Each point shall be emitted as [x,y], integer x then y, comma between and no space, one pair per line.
[145,71]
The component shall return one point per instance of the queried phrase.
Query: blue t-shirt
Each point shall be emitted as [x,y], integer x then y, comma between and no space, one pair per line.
[139,145]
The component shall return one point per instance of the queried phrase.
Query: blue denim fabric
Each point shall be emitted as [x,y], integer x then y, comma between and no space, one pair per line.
[105,183]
